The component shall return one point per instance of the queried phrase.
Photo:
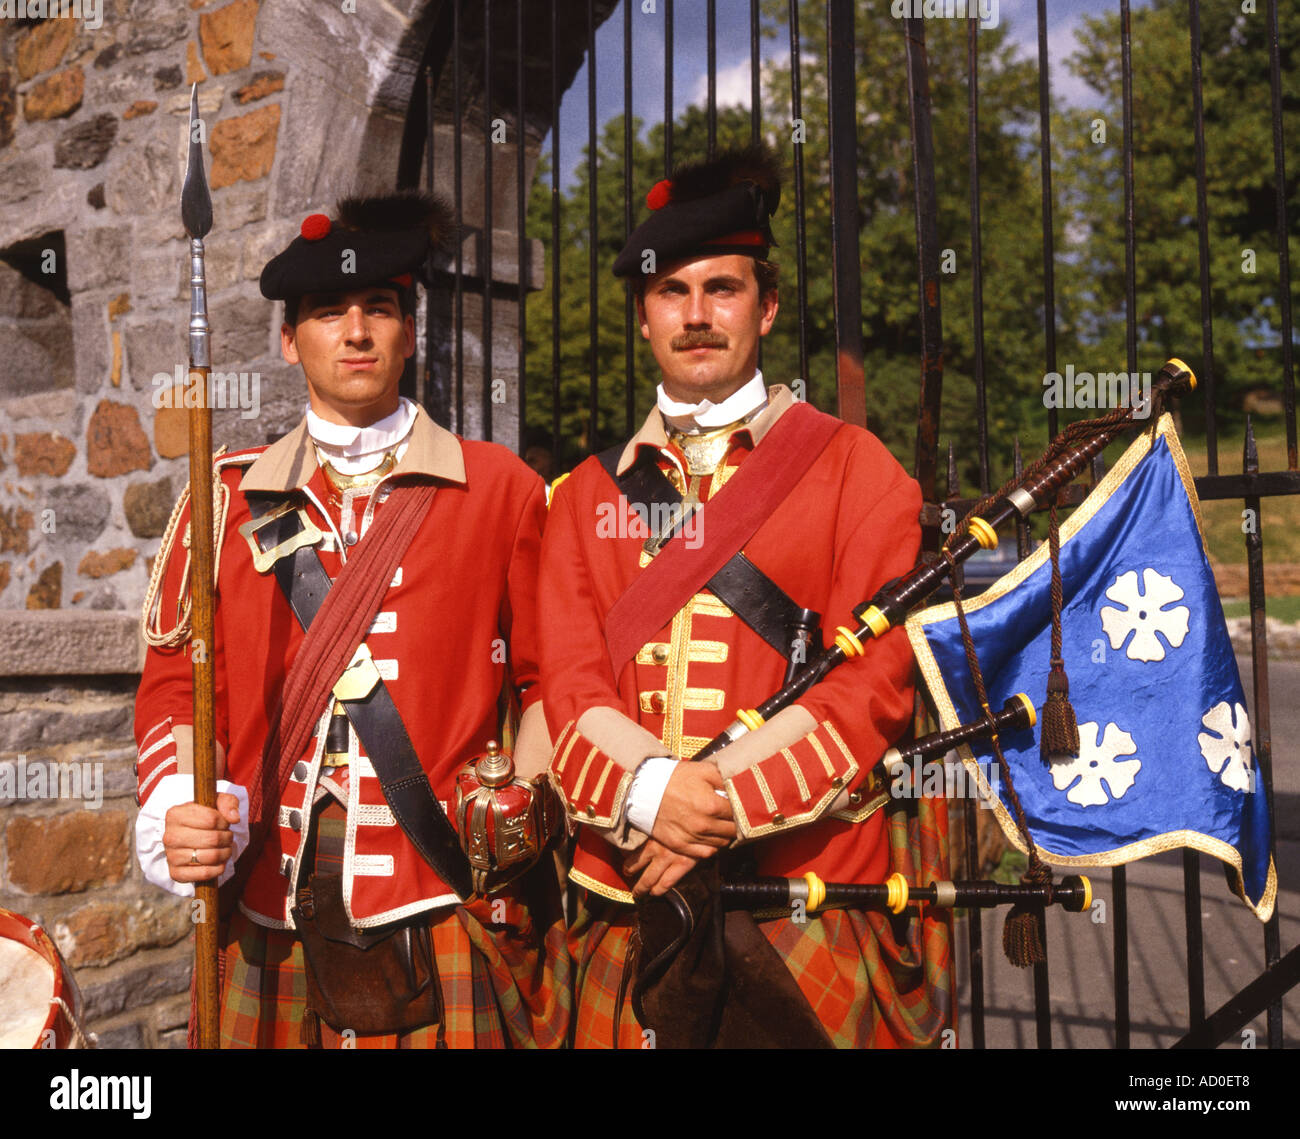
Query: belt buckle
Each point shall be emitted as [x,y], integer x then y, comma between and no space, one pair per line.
[676,518]
[359,678]
[263,560]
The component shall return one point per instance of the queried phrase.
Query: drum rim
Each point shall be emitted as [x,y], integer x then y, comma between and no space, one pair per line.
[17,927]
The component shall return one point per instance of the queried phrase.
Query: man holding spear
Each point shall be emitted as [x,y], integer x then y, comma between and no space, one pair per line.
[374,601]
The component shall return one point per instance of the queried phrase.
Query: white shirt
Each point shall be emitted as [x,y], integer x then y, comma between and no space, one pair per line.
[705,415]
[356,450]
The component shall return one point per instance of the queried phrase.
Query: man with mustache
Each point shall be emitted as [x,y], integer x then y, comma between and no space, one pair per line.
[353,925]
[640,671]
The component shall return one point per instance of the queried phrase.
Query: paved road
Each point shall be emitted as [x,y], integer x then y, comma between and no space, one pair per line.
[1081,950]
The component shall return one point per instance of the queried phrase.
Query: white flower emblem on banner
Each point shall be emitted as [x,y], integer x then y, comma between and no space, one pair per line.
[1227,751]
[1098,763]
[1144,615]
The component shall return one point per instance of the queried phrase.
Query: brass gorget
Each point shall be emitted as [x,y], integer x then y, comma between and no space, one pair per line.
[704,450]
[339,483]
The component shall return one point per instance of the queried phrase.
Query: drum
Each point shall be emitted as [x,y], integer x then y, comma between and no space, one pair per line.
[40,1005]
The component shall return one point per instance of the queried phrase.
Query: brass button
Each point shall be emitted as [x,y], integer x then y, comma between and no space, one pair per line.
[295,820]
[778,819]
[657,702]
[591,811]
[855,797]
[300,770]
[837,782]
[660,654]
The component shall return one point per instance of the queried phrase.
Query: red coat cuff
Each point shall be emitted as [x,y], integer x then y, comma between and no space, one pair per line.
[155,759]
[793,787]
[593,786]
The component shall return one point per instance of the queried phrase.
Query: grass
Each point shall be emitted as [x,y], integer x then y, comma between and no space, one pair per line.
[1280,521]
[1285,609]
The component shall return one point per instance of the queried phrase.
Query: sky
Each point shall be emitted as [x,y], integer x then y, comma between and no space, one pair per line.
[733,59]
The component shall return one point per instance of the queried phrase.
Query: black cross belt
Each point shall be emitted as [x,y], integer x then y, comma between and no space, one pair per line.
[283,540]
[740,585]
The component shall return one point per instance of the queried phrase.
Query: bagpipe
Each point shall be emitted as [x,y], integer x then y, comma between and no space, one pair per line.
[1162,736]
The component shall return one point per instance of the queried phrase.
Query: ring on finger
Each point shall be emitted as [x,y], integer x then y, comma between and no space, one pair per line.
[194,857]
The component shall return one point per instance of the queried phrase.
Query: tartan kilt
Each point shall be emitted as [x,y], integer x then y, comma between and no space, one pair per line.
[505,983]
[872,979]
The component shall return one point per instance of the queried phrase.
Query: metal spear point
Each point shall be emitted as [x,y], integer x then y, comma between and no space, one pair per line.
[196,213]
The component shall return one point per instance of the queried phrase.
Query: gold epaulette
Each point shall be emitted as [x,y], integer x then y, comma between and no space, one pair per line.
[150,618]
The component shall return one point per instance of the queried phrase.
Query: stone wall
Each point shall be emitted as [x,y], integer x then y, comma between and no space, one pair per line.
[67,812]
[302,101]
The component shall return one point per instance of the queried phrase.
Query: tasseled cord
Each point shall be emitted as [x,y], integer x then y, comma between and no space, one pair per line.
[1022,937]
[1060,734]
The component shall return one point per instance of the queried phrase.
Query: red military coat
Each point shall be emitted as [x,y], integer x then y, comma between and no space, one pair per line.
[800,794]
[463,593]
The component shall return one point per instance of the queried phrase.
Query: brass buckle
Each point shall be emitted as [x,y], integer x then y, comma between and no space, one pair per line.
[677,518]
[359,678]
[263,560]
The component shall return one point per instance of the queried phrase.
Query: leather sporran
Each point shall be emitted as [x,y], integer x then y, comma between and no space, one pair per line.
[370,983]
[706,977]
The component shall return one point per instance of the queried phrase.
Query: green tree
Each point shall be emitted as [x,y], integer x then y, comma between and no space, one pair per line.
[1241,194]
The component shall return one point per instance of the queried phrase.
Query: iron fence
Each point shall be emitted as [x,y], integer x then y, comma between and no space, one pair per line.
[504,60]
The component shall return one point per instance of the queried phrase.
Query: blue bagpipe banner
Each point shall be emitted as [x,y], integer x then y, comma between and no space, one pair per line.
[1165,757]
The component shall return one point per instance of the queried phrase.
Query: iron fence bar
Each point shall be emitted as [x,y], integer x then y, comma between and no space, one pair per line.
[1191,859]
[974,928]
[755,76]
[846,266]
[1283,231]
[1045,185]
[970,844]
[485,259]
[629,409]
[976,249]
[1261,734]
[1119,898]
[800,239]
[1208,488]
[711,70]
[1042,989]
[1195,941]
[1266,485]
[592,236]
[1126,150]
[557,457]
[459,197]
[1207,374]
[1130,338]
[668,88]
[927,258]
[521,259]
[433,396]
[1022,527]
[1266,989]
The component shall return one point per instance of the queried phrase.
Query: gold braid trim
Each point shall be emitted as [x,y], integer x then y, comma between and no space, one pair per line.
[151,617]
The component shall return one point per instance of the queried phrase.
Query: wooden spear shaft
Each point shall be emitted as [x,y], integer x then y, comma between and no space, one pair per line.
[205,759]
[196,212]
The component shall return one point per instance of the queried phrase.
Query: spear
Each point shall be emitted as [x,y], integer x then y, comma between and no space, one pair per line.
[196,213]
